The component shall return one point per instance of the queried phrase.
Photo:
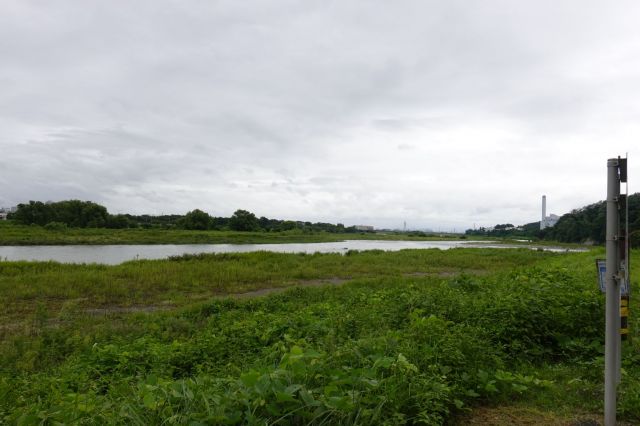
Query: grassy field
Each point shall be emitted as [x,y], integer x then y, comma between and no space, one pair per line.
[13,234]
[27,286]
[419,336]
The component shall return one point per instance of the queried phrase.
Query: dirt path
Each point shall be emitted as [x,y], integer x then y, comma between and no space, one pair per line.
[335,281]
[331,281]
[526,416]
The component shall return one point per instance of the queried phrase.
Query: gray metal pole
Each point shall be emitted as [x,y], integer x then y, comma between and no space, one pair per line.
[618,335]
[612,331]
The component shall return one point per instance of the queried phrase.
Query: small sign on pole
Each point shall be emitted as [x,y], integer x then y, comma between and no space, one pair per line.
[601,266]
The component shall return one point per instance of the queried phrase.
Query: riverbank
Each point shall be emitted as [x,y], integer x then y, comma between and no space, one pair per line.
[13,235]
[182,280]
[364,338]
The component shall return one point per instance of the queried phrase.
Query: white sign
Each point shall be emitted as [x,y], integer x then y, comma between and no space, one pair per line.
[602,271]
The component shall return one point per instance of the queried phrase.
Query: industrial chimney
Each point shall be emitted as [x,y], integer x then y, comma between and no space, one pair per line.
[547,221]
[544,212]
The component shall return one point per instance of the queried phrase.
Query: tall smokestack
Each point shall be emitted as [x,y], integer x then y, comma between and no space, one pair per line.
[544,211]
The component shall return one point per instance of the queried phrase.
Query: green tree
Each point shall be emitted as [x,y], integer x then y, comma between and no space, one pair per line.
[74,213]
[36,212]
[118,221]
[243,220]
[197,220]
[287,225]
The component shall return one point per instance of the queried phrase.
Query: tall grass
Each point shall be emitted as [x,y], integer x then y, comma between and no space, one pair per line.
[387,348]
[181,280]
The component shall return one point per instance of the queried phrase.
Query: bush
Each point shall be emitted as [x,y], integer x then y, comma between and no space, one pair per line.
[55,226]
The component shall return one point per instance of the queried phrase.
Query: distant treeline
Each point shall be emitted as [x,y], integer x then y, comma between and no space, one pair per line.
[586,224]
[86,214]
[530,230]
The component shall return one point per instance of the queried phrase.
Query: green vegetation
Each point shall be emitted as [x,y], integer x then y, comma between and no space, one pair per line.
[73,213]
[507,230]
[586,224]
[196,220]
[59,234]
[86,214]
[415,336]
[25,286]
[243,220]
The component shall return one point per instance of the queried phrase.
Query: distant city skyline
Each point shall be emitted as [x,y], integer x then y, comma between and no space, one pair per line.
[440,114]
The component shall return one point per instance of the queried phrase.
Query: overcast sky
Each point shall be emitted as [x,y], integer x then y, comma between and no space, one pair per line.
[442,114]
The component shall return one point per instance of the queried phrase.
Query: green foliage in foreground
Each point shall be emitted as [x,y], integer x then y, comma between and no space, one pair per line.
[388,350]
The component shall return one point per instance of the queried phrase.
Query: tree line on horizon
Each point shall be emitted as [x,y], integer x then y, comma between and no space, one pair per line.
[86,214]
[584,225]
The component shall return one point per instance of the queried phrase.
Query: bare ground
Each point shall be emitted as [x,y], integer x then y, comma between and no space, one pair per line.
[332,281]
[245,295]
[526,416]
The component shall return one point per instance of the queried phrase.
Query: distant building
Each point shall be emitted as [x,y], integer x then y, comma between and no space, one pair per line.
[364,228]
[4,211]
[550,221]
[547,221]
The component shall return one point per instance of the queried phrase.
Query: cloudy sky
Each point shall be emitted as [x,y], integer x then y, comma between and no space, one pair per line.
[443,114]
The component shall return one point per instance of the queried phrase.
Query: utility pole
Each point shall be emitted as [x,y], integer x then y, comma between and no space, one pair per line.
[615,245]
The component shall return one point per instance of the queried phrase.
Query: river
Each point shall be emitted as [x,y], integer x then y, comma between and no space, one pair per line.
[115,254]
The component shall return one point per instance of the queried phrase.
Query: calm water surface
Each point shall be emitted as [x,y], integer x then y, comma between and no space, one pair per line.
[115,254]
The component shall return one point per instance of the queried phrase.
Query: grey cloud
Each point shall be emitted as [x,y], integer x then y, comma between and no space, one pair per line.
[432,112]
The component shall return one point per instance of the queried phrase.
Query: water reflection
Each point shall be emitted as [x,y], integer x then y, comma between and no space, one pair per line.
[115,254]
